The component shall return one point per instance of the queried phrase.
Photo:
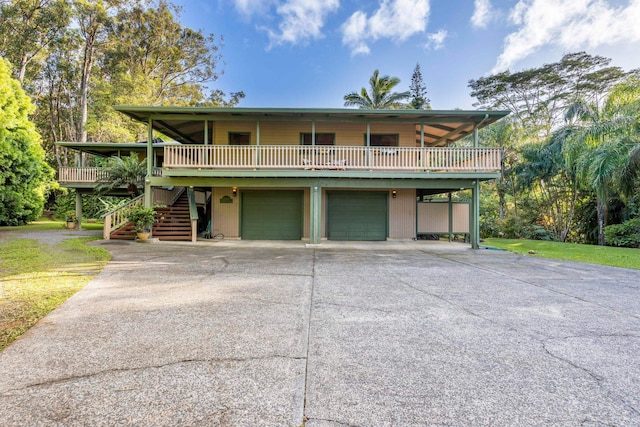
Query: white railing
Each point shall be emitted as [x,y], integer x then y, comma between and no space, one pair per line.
[118,217]
[81,174]
[339,158]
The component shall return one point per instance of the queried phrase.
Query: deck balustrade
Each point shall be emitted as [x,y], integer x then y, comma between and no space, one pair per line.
[400,159]
[334,157]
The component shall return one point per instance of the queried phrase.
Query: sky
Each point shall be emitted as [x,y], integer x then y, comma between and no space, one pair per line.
[310,53]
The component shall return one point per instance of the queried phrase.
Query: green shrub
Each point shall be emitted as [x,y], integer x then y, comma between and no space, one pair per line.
[625,235]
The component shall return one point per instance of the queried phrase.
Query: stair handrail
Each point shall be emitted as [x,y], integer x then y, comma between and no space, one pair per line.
[177,196]
[193,214]
[117,217]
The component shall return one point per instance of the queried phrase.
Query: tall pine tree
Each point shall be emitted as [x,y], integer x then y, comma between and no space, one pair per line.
[418,91]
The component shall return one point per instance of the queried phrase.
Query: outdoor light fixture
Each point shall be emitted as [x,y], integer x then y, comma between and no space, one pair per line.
[394,194]
[234,191]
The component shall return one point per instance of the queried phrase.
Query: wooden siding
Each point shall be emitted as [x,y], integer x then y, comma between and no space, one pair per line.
[402,214]
[288,133]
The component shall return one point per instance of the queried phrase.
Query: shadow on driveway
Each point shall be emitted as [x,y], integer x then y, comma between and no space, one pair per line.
[333,335]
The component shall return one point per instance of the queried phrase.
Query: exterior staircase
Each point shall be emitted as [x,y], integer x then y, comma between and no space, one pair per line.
[172,223]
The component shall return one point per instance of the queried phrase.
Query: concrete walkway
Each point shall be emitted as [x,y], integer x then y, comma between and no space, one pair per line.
[279,334]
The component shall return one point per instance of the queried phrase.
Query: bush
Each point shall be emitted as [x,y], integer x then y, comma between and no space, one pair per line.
[514,227]
[626,235]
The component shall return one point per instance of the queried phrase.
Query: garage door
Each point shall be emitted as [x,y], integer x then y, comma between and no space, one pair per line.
[272,215]
[356,215]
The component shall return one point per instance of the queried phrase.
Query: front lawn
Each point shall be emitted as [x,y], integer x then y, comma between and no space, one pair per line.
[603,255]
[35,278]
[48,224]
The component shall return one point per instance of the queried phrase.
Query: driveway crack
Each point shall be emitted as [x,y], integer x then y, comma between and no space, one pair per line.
[308,343]
[142,368]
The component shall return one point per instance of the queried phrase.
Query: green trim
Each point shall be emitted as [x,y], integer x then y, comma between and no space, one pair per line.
[250,173]
[304,112]
[440,184]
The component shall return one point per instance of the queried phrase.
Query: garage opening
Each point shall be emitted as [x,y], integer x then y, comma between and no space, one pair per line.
[272,214]
[357,215]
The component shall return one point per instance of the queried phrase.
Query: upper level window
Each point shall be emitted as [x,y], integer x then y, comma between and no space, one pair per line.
[239,138]
[321,139]
[382,140]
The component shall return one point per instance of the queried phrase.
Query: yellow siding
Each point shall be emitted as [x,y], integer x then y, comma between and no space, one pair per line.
[225,216]
[402,214]
[288,133]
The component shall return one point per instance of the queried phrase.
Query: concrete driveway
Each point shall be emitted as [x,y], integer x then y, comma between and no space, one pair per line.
[279,334]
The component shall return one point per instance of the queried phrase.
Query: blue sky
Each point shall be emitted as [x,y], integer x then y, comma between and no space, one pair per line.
[309,53]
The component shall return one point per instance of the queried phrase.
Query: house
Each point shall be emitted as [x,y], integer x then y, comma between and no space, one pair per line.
[307,174]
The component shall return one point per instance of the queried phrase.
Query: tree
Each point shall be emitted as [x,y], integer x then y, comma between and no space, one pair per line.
[380,95]
[603,143]
[418,91]
[127,172]
[538,97]
[28,28]
[23,172]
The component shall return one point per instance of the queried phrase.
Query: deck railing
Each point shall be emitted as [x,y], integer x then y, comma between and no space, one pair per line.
[81,174]
[89,174]
[335,157]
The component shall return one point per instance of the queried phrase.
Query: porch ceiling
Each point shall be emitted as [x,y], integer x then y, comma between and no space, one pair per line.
[186,124]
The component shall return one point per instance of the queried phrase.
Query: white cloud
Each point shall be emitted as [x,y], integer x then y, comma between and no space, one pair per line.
[481,13]
[250,7]
[394,19]
[569,25]
[301,20]
[436,40]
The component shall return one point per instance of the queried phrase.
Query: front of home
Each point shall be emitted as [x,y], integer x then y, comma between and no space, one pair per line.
[309,174]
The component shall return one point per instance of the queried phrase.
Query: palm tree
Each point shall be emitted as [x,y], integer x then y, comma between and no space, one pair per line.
[127,172]
[602,144]
[379,97]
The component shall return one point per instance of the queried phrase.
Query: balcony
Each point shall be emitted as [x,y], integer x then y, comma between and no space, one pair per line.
[408,159]
[198,159]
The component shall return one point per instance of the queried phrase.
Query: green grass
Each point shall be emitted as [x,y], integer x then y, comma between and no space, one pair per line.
[44,224]
[35,278]
[603,255]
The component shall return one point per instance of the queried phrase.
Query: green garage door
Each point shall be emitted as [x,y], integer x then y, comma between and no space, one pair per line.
[356,215]
[272,215]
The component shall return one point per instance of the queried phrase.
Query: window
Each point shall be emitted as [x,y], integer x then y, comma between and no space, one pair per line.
[321,139]
[239,138]
[382,140]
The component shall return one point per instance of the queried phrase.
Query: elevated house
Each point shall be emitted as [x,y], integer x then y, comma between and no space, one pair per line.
[304,174]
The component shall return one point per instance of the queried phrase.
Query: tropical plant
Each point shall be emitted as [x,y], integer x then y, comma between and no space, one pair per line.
[141,217]
[380,95]
[127,172]
[602,144]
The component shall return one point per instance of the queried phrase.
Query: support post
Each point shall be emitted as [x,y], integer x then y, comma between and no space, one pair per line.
[206,132]
[368,142]
[257,142]
[475,216]
[148,196]
[450,218]
[79,210]
[313,132]
[315,223]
